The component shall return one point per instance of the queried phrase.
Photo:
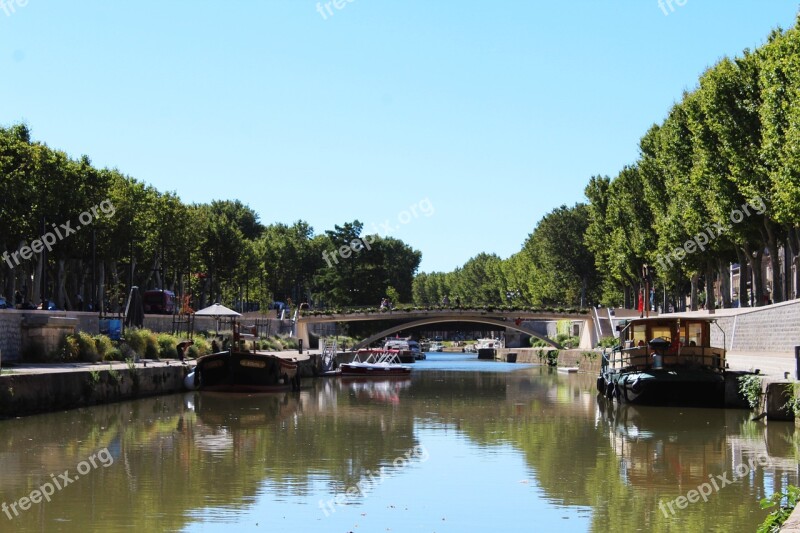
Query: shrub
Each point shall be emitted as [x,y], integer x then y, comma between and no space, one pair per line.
[201,347]
[290,343]
[70,349]
[538,343]
[142,341]
[113,354]
[87,349]
[167,346]
[135,338]
[103,345]
[567,341]
[127,352]
[608,342]
[750,387]
[151,347]
[776,518]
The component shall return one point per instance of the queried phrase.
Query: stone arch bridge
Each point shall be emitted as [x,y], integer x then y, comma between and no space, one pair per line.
[519,321]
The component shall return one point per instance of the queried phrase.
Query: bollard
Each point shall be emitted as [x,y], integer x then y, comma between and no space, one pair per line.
[797,362]
[300,345]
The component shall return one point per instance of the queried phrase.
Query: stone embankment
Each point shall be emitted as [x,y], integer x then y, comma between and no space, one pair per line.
[586,360]
[42,388]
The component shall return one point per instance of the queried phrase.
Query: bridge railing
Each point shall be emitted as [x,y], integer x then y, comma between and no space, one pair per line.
[346,310]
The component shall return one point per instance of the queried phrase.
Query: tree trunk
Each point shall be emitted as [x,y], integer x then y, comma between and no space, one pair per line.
[711,300]
[38,282]
[695,277]
[725,282]
[756,261]
[62,300]
[744,277]
[776,295]
[99,297]
[793,242]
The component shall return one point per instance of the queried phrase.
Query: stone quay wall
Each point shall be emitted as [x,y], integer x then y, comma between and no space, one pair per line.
[772,329]
[12,326]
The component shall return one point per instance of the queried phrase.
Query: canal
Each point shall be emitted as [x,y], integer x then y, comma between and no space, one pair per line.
[463,445]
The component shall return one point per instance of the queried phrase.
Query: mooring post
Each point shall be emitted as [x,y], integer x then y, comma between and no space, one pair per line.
[797,362]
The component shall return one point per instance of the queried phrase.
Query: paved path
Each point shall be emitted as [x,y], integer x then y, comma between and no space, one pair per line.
[772,365]
[31,368]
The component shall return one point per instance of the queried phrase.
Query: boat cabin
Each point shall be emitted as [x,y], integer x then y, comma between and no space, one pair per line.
[656,343]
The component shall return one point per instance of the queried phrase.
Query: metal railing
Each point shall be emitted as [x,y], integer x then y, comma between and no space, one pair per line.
[645,358]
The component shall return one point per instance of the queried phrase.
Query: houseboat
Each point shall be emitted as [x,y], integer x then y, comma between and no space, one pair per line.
[240,370]
[665,361]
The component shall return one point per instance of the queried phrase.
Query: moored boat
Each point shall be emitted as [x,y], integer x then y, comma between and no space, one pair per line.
[243,371]
[665,361]
[487,348]
[369,364]
[408,349]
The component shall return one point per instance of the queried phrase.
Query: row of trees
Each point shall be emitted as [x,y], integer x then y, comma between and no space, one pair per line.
[216,252]
[716,183]
[553,268]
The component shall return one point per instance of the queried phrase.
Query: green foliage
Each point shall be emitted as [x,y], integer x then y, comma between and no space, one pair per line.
[113,354]
[87,349]
[793,404]
[167,346]
[589,356]
[103,345]
[143,342]
[608,342]
[70,348]
[774,521]
[290,343]
[552,357]
[539,343]
[567,341]
[135,339]
[200,347]
[113,374]
[750,388]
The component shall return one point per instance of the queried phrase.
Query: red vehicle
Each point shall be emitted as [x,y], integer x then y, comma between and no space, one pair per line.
[159,302]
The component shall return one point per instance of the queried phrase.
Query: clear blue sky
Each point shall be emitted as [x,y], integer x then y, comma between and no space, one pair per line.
[495,112]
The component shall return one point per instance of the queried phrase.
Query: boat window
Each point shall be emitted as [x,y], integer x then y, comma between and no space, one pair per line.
[639,334]
[661,331]
[695,334]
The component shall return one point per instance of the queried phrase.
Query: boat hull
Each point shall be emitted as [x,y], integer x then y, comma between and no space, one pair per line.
[696,388]
[244,372]
[369,370]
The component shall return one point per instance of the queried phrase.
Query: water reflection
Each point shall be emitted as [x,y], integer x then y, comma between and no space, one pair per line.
[518,440]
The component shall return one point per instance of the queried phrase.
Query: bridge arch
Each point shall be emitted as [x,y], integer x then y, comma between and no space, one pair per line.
[439,320]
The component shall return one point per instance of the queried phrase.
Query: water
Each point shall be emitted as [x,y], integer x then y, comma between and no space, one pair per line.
[464,445]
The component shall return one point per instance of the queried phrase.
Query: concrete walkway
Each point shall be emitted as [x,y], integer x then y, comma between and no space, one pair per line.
[773,365]
[17,369]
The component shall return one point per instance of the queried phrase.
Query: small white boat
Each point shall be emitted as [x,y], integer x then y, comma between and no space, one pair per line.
[568,369]
[407,347]
[384,364]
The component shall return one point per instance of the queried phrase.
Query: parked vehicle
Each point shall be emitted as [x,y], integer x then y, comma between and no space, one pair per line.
[3,303]
[159,302]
